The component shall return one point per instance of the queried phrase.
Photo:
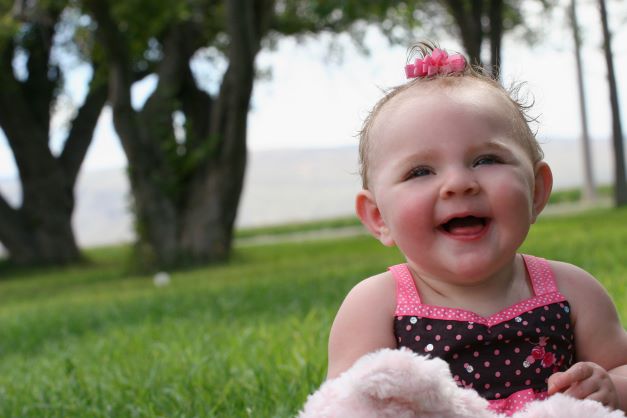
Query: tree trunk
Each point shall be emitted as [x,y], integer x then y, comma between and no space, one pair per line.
[620,182]
[468,15]
[40,231]
[589,191]
[185,204]
[213,198]
[496,36]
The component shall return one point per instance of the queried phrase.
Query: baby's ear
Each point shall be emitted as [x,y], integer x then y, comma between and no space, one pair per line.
[369,214]
[542,188]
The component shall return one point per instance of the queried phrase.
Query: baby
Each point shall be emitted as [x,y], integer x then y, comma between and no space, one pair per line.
[454,177]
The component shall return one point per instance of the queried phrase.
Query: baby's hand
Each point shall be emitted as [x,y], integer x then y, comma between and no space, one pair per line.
[585,380]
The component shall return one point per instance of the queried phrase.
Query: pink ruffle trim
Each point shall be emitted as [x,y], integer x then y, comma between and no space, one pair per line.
[516,401]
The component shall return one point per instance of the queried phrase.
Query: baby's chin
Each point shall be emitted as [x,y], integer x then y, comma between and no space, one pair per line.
[470,269]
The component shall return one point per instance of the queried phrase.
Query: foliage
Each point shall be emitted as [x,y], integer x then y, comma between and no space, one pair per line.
[397,19]
[238,340]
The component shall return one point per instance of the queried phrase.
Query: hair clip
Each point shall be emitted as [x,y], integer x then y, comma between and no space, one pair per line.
[438,62]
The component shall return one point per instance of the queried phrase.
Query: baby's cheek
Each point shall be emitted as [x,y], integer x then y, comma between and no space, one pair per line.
[515,192]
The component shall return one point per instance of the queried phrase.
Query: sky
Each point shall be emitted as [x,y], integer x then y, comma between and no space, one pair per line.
[315,98]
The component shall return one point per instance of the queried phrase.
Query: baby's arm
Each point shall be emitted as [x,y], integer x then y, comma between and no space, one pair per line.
[601,342]
[364,323]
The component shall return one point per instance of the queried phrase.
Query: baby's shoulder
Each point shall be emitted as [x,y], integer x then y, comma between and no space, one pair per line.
[373,297]
[594,316]
[573,279]
[580,288]
[378,288]
[363,323]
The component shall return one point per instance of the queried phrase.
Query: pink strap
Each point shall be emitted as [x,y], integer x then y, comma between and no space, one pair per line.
[541,275]
[542,280]
[407,298]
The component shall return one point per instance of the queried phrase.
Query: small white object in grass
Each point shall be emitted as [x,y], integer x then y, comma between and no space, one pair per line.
[161,279]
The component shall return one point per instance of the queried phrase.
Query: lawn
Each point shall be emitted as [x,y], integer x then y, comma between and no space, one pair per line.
[242,339]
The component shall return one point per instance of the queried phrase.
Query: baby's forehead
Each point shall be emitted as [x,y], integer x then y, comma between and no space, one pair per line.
[475,95]
[480,92]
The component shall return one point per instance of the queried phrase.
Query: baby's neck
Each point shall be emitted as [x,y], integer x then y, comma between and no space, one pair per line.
[507,287]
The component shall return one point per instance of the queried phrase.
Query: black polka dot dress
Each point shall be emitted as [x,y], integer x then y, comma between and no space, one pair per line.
[507,357]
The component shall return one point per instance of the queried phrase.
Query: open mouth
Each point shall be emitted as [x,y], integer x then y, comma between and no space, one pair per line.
[465,226]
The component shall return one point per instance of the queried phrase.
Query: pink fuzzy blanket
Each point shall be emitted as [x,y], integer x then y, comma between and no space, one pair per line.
[402,384]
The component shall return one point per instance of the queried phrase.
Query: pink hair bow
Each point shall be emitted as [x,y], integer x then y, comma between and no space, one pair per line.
[438,62]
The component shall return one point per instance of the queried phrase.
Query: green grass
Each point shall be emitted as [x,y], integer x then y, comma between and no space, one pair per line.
[298,227]
[247,339]
[573,195]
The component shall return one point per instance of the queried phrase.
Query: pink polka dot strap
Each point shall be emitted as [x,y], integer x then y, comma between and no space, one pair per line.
[541,275]
[542,280]
[407,298]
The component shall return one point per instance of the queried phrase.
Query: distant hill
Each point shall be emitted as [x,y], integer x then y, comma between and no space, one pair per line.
[281,186]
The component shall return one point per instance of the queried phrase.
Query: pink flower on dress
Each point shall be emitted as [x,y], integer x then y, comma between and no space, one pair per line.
[548,360]
[537,353]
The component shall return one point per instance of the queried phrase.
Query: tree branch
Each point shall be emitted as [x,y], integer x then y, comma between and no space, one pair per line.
[6,211]
[197,106]
[496,35]
[247,23]
[43,76]
[9,222]
[82,131]
[24,132]
[117,53]
[121,76]
[469,24]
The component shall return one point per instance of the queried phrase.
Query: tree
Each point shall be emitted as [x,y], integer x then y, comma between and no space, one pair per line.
[620,181]
[479,20]
[39,231]
[186,148]
[186,179]
[474,23]
[589,192]
[186,188]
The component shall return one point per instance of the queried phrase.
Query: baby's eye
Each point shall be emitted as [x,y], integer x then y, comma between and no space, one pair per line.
[419,172]
[487,160]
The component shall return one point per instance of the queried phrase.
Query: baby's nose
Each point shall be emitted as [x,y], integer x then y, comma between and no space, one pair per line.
[459,182]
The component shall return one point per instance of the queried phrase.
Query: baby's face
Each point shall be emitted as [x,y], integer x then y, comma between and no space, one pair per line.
[453,184]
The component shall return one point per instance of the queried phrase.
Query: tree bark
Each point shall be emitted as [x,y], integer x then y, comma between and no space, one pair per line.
[589,191]
[40,231]
[185,204]
[620,183]
[141,134]
[212,201]
[496,36]
[468,16]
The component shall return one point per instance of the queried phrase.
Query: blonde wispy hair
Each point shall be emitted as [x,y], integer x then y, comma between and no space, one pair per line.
[522,118]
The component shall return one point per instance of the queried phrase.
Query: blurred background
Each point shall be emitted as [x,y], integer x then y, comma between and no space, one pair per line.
[145,86]
[165,166]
